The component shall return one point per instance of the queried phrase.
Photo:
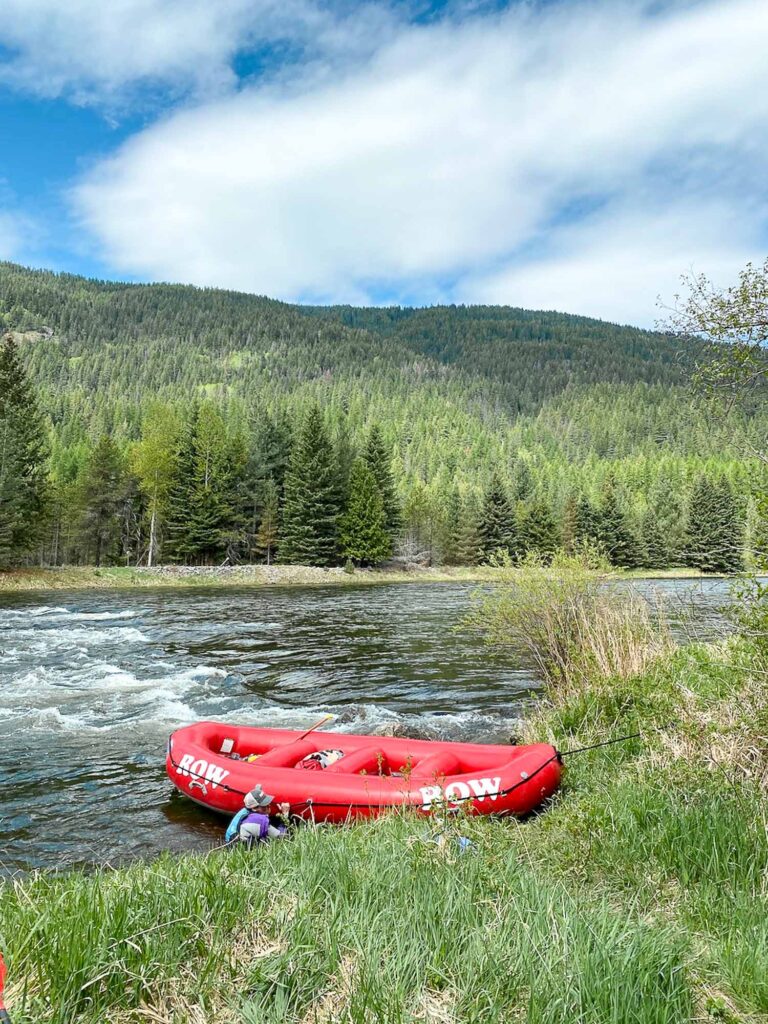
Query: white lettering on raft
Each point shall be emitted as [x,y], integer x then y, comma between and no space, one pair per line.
[200,770]
[459,791]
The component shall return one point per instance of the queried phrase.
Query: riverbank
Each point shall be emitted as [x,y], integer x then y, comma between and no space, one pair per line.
[117,577]
[641,895]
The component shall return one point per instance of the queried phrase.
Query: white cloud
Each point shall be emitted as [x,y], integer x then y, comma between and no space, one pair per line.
[18,233]
[95,50]
[452,154]
[618,264]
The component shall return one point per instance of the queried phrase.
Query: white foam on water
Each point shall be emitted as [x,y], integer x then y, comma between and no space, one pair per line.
[98,616]
[101,696]
[35,612]
[41,641]
[59,613]
[53,719]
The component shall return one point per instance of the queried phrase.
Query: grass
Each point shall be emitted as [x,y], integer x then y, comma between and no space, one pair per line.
[81,577]
[121,577]
[639,897]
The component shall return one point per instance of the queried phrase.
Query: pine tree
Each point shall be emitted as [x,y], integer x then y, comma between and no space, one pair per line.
[497,528]
[580,523]
[613,530]
[267,533]
[731,527]
[714,529]
[521,486]
[10,491]
[176,546]
[654,550]
[266,464]
[362,529]
[311,509]
[344,458]
[18,408]
[453,528]
[538,529]
[101,502]
[379,459]
[468,539]
[206,501]
[666,507]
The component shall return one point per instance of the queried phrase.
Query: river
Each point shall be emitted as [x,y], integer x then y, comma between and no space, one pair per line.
[92,683]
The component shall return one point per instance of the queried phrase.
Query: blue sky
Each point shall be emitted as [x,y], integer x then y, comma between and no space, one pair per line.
[576,154]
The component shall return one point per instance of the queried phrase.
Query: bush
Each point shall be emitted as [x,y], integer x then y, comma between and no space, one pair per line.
[574,624]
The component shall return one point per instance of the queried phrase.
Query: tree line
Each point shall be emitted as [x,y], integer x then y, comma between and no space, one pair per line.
[191,489]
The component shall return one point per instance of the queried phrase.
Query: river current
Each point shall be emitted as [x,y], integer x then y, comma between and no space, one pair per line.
[93,682]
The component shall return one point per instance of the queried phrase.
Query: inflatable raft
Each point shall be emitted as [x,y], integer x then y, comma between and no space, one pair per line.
[217,764]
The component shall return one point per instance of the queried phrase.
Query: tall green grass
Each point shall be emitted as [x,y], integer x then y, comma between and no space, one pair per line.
[368,923]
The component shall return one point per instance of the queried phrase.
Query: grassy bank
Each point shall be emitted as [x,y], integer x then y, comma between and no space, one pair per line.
[89,577]
[640,896]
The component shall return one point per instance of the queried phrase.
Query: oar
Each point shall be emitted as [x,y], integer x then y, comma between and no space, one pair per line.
[323,721]
[4,1018]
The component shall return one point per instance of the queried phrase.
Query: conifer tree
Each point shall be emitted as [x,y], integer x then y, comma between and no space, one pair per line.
[453,528]
[344,457]
[497,527]
[714,529]
[379,458]
[311,509]
[521,486]
[654,550]
[538,529]
[101,502]
[666,506]
[267,534]
[18,409]
[580,523]
[362,529]
[613,529]
[10,491]
[176,546]
[206,501]
[468,539]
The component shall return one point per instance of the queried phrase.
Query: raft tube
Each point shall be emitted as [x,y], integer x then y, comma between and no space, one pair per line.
[376,773]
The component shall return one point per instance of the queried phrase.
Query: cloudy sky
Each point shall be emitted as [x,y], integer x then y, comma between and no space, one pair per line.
[574,155]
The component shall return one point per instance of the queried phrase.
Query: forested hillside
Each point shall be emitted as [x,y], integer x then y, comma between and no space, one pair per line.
[193,424]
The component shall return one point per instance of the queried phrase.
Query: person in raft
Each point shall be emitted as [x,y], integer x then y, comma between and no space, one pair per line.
[254,823]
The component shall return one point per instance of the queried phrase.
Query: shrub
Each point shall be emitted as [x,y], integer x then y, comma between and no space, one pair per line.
[572,621]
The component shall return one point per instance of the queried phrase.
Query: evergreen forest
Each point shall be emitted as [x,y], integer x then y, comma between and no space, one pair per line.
[142,424]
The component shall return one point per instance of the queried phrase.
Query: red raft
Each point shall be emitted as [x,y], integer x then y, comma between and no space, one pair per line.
[207,762]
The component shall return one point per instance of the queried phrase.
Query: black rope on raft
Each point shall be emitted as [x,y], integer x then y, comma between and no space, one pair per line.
[309,803]
[617,739]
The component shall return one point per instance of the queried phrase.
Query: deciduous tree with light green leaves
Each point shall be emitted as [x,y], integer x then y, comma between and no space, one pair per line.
[153,461]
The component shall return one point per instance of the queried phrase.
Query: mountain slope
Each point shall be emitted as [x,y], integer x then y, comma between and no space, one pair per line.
[457,390]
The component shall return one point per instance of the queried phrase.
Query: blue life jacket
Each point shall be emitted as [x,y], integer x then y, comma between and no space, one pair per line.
[233,829]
